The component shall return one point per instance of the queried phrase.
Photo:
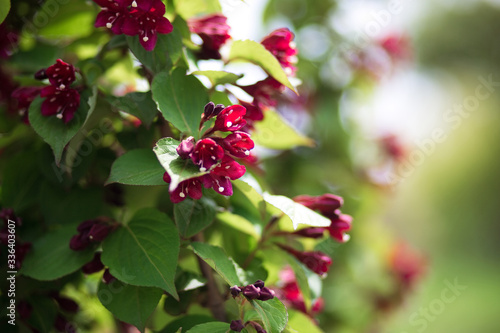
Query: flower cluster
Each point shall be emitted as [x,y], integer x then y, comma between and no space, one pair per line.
[213,31]
[329,205]
[214,155]
[91,231]
[252,291]
[130,17]
[292,296]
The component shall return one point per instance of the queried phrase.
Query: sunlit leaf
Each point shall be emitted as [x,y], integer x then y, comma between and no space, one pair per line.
[137,167]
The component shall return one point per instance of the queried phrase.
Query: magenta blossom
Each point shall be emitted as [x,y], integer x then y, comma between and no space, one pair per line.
[206,153]
[61,74]
[325,203]
[316,261]
[220,177]
[189,187]
[230,119]
[280,44]
[214,31]
[148,21]
[60,102]
[113,15]
[238,144]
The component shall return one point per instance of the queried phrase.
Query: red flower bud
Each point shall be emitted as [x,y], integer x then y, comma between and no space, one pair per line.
[93,266]
[251,292]
[316,261]
[186,147]
[265,294]
[236,325]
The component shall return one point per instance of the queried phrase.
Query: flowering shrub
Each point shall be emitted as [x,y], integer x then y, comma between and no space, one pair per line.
[114,136]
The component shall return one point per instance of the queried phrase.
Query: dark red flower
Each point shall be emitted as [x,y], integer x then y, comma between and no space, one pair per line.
[60,102]
[230,119]
[148,21]
[113,14]
[107,278]
[341,223]
[91,231]
[220,177]
[93,266]
[265,294]
[190,187]
[213,30]
[236,325]
[166,178]
[238,144]
[206,153]
[24,96]
[316,261]
[61,324]
[251,292]
[235,291]
[61,74]
[254,111]
[185,148]
[280,44]
[264,92]
[8,41]
[325,203]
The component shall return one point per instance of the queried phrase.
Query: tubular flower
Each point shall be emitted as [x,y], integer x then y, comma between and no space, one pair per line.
[206,153]
[113,14]
[214,31]
[316,261]
[238,144]
[189,187]
[328,205]
[280,44]
[8,41]
[148,21]
[142,17]
[24,96]
[230,119]
[90,231]
[61,100]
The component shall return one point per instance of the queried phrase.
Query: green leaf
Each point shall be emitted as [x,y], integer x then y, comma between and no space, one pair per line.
[256,53]
[217,258]
[192,216]
[71,19]
[178,169]
[254,203]
[4,9]
[139,104]
[297,213]
[131,304]
[239,223]
[272,313]
[20,181]
[53,130]
[186,323]
[273,132]
[167,52]
[60,208]
[137,167]
[213,327]
[144,252]
[51,258]
[219,77]
[188,9]
[301,278]
[43,314]
[300,322]
[181,99]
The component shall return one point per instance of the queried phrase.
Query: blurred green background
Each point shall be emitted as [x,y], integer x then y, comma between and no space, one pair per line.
[447,205]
